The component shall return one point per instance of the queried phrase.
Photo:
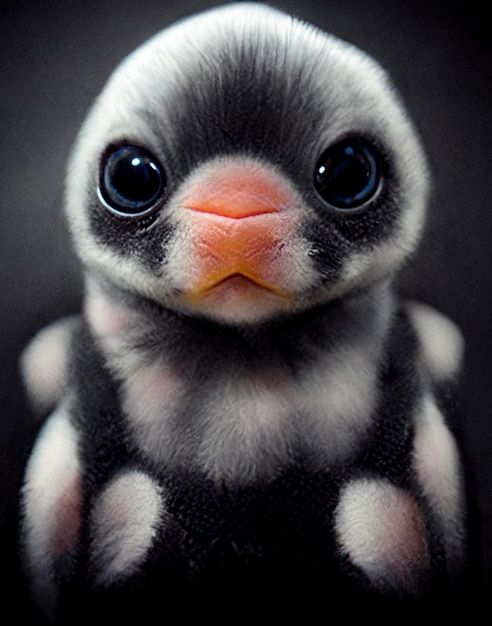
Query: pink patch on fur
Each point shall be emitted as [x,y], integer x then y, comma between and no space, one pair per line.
[44,363]
[68,517]
[436,459]
[431,458]
[381,529]
[153,385]
[124,521]
[399,539]
[275,380]
[107,318]
[438,467]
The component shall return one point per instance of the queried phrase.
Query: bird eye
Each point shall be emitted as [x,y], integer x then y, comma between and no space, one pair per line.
[132,181]
[347,174]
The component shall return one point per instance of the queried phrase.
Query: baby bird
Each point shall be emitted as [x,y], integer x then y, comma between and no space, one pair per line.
[244,406]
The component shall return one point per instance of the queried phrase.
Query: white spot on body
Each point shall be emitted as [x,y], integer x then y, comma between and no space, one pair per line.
[245,425]
[150,388]
[52,500]
[240,425]
[124,522]
[381,530]
[45,361]
[151,395]
[247,431]
[337,402]
[109,320]
[106,318]
[438,467]
[441,341]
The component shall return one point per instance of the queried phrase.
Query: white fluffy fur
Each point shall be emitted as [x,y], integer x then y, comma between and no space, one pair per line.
[247,430]
[442,344]
[44,364]
[336,403]
[52,475]
[380,528]
[247,425]
[124,522]
[438,467]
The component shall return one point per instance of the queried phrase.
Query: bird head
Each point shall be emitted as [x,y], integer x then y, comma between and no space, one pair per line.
[242,166]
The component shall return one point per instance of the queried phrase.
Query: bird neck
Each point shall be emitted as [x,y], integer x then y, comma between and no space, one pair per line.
[124,322]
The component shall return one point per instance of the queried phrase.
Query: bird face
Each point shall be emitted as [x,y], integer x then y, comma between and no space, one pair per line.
[242,166]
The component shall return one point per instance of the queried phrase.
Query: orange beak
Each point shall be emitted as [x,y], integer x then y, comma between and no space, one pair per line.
[239,191]
[240,219]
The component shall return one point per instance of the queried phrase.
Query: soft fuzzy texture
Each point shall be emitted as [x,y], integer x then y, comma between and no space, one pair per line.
[244,406]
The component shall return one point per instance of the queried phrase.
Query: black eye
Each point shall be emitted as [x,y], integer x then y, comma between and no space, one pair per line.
[347,174]
[132,181]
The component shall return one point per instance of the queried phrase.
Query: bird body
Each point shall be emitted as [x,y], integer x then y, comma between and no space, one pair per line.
[244,399]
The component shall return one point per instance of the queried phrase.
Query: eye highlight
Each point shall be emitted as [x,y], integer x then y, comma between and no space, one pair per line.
[347,174]
[132,182]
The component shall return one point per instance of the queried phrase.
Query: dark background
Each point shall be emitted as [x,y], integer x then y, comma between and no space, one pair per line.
[55,57]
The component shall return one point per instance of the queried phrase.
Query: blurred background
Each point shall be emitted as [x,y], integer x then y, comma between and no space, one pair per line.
[55,57]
